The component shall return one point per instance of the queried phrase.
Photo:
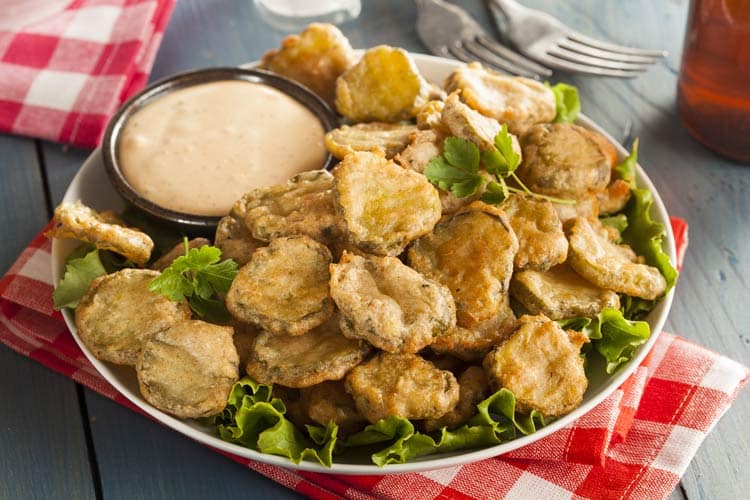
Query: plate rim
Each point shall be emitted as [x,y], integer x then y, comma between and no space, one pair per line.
[437,462]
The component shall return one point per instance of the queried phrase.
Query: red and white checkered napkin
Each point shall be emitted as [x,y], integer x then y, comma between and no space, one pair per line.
[63,76]
[635,444]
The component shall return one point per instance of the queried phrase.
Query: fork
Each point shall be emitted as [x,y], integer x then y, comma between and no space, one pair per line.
[449,31]
[543,38]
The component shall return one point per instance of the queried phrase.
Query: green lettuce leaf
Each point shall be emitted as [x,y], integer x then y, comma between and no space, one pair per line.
[645,235]
[83,265]
[567,102]
[255,419]
[616,338]
[627,168]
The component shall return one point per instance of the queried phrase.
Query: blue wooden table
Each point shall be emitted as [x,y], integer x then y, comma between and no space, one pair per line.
[59,440]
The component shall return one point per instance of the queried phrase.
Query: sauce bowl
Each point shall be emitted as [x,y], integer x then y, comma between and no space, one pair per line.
[193,224]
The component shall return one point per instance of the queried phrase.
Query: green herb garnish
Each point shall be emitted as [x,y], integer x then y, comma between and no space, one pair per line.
[567,103]
[201,278]
[627,168]
[457,169]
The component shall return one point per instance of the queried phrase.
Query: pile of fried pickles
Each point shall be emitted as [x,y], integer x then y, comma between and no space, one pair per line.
[436,264]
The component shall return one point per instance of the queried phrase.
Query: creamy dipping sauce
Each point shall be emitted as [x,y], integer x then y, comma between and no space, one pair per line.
[197,150]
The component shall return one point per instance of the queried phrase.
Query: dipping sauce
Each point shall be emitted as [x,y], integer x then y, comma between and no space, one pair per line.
[197,150]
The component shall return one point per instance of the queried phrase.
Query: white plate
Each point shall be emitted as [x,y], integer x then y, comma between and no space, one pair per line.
[92,186]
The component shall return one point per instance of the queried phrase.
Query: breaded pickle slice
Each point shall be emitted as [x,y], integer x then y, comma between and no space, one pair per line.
[376,137]
[401,384]
[389,304]
[561,159]
[384,206]
[305,360]
[473,387]
[471,344]
[188,370]
[79,222]
[304,205]
[235,241]
[472,254]
[424,145]
[329,402]
[118,314]
[516,101]
[385,85]
[284,287]
[464,122]
[541,240]
[315,58]
[560,293]
[541,364]
[606,265]
[430,116]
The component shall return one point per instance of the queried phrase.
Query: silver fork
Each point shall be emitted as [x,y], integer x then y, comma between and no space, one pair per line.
[448,31]
[543,38]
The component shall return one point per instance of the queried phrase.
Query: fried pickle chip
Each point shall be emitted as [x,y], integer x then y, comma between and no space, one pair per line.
[472,254]
[586,207]
[329,402]
[614,197]
[284,287]
[471,344]
[515,101]
[79,222]
[235,241]
[305,360]
[401,384]
[384,206]
[541,240]
[314,58]
[561,159]
[389,304]
[178,250]
[430,116]
[464,122]
[376,137]
[304,205]
[188,370]
[424,145]
[473,387]
[606,265]
[541,364]
[560,293]
[118,314]
[244,338]
[385,85]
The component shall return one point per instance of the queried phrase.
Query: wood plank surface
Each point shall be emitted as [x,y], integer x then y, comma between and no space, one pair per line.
[137,458]
[41,431]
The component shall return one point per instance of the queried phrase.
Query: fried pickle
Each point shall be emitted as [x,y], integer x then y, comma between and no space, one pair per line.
[607,265]
[388,304]
[385,85]
[430,116]
[471,344]
[376,137]
[118,314]
[235,241]
[560,293]
[315,58]
[321,354]
[401,384]
[515,101]
[384,206]
[473,387]
[284,287]
[464,122]
[304,205]
[424,145]
[188,370]
[79,222]
[541,364]
[472,254]
[562,160]
[329,402]
[541,240]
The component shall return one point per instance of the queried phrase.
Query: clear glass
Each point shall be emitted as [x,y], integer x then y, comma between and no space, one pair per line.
[714,88]
[293,15]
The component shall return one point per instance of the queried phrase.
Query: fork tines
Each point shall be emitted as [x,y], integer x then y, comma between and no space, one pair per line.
[480,48]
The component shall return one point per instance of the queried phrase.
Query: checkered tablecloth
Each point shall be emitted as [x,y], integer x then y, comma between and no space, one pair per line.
[62,76]
[635,444]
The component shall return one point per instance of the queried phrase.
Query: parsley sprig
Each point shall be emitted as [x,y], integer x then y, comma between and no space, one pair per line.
[457,169]
[201,278]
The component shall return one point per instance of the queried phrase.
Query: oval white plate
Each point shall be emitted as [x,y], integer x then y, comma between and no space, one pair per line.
[92,186]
